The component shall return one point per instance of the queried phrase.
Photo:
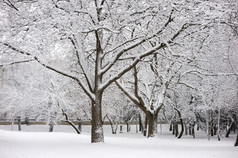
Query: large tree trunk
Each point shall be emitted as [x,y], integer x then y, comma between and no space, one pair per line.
[97,124]
[152,118]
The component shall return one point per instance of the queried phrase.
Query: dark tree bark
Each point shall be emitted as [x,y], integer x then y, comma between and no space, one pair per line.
[145,127]
[80,127]
[175,128]
[121,129]
[181,123]
[193,131]
[215,129]
[186,129]
[171,126]
[113,126]
[97,125]
[19,123]
[127,126]
[27,121]
[51,127]
[70,122]
[152,121]
[212,130]
[140,124]
[236,143]
[229,127]
[190,130]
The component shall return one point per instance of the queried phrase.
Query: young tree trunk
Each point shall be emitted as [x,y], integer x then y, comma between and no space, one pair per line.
[186,128]
[113,126]
[19,123]
[121,128]
[27,121]
[215,129]
[97,124]
[229,127]
[171,126]
[70,122]
[181,122]
[212,129]
[127,126]
[218,125]
[236,143]
[175,128]
[193,131]
[190,130]
[80,126]
[12,124]
[136,126]
[140,124]
[208,124]
[152,118]
[51,127]
[145,127]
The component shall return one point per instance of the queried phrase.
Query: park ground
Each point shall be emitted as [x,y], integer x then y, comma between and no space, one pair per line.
[35,142]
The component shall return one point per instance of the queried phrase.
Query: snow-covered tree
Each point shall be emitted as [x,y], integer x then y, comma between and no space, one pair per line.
[96,41]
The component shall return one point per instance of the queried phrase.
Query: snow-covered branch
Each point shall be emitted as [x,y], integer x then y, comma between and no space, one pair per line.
[66,74]
[130,47]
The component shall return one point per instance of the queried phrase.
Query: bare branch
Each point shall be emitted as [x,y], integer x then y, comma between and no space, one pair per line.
[10,4]
[17,62]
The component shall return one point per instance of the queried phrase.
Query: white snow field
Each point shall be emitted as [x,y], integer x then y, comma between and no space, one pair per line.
[64,143]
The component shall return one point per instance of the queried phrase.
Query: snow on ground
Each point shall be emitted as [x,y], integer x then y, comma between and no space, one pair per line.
[64,143]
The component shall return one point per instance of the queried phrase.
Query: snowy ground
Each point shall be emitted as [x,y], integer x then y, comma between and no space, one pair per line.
[36,142]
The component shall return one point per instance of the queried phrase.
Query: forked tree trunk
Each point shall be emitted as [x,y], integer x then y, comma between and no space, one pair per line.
[229,127]
[114,128]
[113,125]
[97,124]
